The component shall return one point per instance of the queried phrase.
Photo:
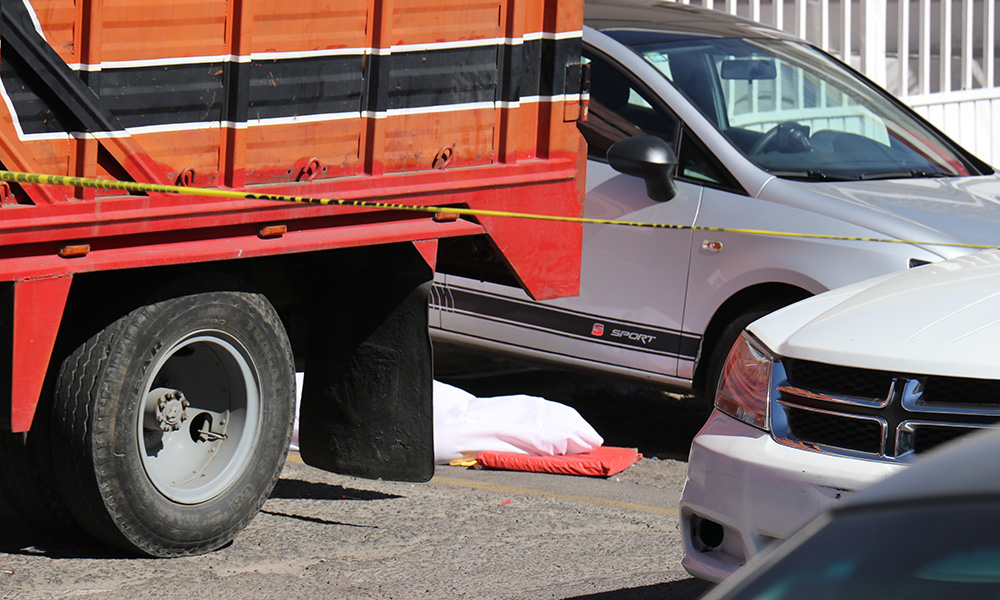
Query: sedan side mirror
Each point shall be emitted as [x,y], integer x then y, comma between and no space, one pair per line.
[649,157]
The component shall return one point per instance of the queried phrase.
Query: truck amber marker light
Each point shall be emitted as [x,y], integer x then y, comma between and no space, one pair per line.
[272,231]
[74,250]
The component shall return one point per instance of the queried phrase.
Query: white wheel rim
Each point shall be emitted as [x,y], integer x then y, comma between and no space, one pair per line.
[213,444]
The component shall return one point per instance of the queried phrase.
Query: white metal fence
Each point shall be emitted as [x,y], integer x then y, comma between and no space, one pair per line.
[938,56]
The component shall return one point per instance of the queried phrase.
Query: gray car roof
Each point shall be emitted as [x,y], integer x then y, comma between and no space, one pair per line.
[656,15]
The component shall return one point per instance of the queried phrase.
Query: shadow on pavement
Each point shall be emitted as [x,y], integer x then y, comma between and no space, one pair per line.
[685,588]
[20,538]
[295,489]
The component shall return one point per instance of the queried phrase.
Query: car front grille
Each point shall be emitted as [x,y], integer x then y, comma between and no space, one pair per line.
[835,429]
[837,380]
[956,390]
[876,414]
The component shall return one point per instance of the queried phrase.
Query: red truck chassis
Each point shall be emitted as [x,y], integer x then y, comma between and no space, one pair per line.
[444,103]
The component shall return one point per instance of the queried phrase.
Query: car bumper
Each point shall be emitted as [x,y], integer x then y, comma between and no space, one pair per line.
[744,491]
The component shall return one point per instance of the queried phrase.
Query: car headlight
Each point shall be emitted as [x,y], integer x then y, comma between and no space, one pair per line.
[745,384]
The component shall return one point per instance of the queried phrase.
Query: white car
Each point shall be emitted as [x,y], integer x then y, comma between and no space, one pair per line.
[932,531]
[769,133]
[833,394]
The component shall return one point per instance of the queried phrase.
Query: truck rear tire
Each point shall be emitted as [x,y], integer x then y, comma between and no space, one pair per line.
[171,425]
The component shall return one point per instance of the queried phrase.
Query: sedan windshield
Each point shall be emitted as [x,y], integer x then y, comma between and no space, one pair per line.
[796,112]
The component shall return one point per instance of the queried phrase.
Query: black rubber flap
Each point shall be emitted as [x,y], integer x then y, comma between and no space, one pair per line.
[367,402]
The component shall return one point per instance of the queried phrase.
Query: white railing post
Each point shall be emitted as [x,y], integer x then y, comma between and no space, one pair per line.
[845,31]
[824,24]
[903,47]
[873,42]
[968,35]
[989,42]
[924,50]
[945,47]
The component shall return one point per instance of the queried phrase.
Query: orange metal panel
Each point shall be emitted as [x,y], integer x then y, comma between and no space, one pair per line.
[542,131]
[555,16]
[422,22]
[373,138]
[179,151]
[83,162]
[510,149]
[569,15]
[273,152]
[148,29]
[562,136]
[302,25]
[239,42]
[526,134]
[413,142]
[51,155]
[15,155]
[58,20]
[534,16]
[513,18]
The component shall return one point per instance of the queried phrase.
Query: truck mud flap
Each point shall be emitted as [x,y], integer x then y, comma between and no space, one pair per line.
[367,401]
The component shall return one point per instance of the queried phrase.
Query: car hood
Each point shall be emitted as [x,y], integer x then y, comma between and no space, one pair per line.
[949,211]
[938,319]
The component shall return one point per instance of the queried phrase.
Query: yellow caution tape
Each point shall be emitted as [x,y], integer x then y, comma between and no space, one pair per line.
[131,186]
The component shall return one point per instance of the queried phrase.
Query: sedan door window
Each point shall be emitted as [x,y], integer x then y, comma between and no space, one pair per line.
[621,109]
[618,110]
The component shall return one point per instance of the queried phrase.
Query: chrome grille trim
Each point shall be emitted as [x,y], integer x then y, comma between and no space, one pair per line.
[788,390]
[913,400]
[908,431]
[908,423]
[882,424]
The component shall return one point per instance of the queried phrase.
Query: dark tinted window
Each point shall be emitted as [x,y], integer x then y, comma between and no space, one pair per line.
[619,110]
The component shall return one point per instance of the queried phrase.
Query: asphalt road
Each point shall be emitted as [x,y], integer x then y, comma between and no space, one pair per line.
[465,534]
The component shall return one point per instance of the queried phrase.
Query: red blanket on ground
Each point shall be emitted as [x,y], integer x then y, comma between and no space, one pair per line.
[602,462]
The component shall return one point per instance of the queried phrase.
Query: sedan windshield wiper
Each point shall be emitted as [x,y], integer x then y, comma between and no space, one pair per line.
[911,174]
[814,175]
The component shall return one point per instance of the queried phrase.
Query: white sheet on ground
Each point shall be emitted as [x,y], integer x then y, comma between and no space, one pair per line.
[465,425]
